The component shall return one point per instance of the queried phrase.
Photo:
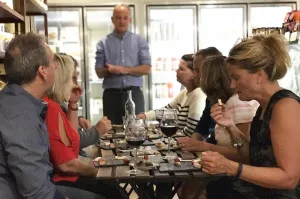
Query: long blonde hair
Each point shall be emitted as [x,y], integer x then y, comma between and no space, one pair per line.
[63,79]
[268,53]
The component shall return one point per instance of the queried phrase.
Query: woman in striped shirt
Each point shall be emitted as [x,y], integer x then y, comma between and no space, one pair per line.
[189,103]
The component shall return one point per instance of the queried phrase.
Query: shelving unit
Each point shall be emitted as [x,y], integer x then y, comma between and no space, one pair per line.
[8,15]
[17,16]
[34,7]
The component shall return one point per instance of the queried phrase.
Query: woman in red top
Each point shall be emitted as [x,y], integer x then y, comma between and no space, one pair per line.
[65,140]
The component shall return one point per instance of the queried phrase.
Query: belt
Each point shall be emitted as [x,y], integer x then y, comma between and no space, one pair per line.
[122,89]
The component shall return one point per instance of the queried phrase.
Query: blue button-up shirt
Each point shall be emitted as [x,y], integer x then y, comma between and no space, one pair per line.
[129,50]
[25,167]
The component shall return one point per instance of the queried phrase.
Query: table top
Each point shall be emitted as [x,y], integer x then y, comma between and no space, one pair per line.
[118,173]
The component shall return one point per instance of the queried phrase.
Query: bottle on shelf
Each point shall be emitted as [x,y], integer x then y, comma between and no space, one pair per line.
[158,91]
[164,90]
[170,90]
[159,64]
[167,64]
[174,63]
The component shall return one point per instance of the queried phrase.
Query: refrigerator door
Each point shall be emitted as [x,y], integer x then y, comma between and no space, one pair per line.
[291,80]
[268,15]
[97,25]
[65,36]
[272,15]
[221,26]
[171,34]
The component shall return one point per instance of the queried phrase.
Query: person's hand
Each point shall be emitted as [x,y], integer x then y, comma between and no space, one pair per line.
[214,163]
[75,94]
[221,115]
[91,163]
[190,144]
[117,69]
[103,126]
[84,123]
[141,116]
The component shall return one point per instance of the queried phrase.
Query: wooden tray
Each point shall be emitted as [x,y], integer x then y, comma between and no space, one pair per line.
[170,167]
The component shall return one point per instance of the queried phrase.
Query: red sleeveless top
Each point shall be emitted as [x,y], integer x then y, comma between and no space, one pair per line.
[59,152]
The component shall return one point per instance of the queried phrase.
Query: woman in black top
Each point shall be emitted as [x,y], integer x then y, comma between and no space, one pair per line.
[271,159]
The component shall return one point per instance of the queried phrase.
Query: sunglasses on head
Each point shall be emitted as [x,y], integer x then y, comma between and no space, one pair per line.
[188,57]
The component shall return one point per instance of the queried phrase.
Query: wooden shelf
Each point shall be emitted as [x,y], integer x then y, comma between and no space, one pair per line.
[34,7]
[8,15]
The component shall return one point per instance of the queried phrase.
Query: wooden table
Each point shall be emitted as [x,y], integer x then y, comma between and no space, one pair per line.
[117,174]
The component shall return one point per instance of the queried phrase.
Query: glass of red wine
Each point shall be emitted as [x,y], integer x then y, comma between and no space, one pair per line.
[168,126]
[135,136]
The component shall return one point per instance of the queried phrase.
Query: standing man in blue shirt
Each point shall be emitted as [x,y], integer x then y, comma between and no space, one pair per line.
[122,58]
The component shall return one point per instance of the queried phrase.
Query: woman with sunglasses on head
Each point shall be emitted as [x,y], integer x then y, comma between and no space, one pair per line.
[64,139]
[271,162]
[189,103]
[82,122]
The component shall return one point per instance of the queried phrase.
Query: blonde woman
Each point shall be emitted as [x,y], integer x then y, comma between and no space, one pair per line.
[63,137]
[215,82]
[271,160]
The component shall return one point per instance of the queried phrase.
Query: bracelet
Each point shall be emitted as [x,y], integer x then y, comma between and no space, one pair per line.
[70,107]
[239,171]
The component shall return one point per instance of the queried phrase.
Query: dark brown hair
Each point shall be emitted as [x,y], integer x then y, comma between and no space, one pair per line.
[268,53]
[189,59]
[215,79]
[210,51]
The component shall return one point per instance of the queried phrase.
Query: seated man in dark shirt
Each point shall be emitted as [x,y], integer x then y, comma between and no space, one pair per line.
[205,127]
[25,168]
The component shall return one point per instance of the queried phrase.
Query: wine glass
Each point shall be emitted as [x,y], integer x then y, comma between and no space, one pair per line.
[168,126]
[135,136]
[158,114]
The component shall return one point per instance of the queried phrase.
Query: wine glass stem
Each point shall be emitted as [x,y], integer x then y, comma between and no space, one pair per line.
[169,140]
[135,159]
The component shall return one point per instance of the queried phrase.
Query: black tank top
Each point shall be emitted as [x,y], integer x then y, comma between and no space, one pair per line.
[261,150]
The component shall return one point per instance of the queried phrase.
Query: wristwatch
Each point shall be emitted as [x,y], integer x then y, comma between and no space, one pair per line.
[237,143]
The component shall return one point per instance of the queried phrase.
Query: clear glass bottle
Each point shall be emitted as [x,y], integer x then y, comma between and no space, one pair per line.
[129,105]
[129,110]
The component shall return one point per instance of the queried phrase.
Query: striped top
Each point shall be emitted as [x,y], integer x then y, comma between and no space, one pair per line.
[189,109]
[241,112]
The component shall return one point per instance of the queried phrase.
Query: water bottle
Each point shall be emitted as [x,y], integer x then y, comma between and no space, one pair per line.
[129,110]
[129,105]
